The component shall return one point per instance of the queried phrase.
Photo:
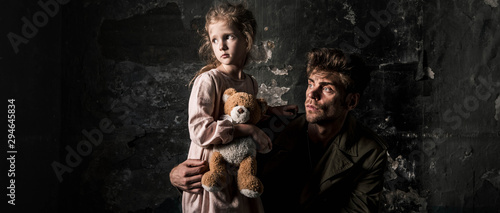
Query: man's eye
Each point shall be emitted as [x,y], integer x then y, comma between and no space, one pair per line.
[327,89]
[310,85]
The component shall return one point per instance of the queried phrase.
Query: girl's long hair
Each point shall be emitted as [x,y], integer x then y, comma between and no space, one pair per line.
[238,16]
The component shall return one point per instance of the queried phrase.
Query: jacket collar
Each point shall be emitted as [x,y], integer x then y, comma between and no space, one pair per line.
[347,137]
[336,159]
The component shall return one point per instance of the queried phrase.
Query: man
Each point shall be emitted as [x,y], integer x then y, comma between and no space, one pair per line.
[324,161]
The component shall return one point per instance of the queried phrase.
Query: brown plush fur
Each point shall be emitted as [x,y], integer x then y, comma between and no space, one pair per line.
[243,99]
[246,176]
[248,184]
[216,177]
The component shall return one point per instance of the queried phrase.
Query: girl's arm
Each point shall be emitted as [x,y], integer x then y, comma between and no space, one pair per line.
[204,129]
[263,141]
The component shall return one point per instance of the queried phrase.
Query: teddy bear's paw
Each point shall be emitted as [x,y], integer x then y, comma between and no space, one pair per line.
[213,181]
[212,188]
[249,193]
[250,186]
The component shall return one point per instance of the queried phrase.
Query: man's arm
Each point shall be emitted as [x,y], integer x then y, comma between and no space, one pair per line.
[187,175]
[365,196]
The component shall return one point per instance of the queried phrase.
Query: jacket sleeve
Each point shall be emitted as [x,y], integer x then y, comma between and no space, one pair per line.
[204,100]
[365,196]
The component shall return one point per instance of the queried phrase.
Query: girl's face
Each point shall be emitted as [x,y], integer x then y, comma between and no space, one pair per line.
[228,43]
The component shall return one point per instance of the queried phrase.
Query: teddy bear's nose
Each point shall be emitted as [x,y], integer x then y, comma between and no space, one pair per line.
[240,110]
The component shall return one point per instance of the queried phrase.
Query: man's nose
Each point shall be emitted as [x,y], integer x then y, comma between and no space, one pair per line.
[313,93]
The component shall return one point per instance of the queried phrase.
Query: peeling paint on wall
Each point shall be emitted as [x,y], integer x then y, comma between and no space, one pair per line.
[432,166]
[402,201]
[491,3]
[261,52]
[272,94]
[497,108]
[392,165]
[400,165]
[351,16]
[492,176]
[428,72]
[467,154]
[283,71]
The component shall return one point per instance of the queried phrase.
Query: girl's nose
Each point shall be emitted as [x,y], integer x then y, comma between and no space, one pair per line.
[222,46]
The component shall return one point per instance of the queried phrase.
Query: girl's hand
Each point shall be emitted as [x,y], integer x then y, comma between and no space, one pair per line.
[285,110]
[263,141]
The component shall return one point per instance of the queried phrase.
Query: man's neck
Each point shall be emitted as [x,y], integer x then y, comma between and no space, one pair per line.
[324,133]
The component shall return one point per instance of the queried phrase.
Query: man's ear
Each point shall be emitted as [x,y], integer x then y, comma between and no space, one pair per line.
[352,100]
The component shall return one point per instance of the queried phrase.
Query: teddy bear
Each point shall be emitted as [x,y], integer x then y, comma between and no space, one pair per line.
[239,107]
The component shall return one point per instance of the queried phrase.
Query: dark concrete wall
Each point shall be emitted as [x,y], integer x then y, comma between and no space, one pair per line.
[102,95]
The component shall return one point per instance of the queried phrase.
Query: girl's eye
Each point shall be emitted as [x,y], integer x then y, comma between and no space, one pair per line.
[214,41]
[231,37]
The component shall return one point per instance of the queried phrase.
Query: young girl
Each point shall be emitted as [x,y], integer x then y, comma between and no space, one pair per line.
[228,37]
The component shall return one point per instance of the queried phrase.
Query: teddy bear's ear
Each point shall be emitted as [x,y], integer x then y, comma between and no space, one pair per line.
[228,93]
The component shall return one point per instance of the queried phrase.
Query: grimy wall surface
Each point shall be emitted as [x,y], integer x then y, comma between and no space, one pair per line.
[101,94]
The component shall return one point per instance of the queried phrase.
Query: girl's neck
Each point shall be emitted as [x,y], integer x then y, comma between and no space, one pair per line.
[232,71]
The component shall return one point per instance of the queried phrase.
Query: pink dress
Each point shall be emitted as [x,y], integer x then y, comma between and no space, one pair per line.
[205,108]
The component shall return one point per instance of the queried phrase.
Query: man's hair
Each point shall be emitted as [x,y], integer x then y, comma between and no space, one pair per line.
[236,15]
[353,73]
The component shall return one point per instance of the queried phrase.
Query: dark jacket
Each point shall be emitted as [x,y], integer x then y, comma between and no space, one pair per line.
[348,177]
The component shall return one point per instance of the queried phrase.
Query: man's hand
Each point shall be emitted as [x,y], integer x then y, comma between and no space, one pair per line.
[285,110]
[187,175]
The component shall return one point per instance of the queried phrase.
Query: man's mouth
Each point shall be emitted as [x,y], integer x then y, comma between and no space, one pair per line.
[311,107]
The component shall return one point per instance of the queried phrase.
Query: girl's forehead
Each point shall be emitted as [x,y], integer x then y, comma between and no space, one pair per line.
[221,26]
[220,22]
